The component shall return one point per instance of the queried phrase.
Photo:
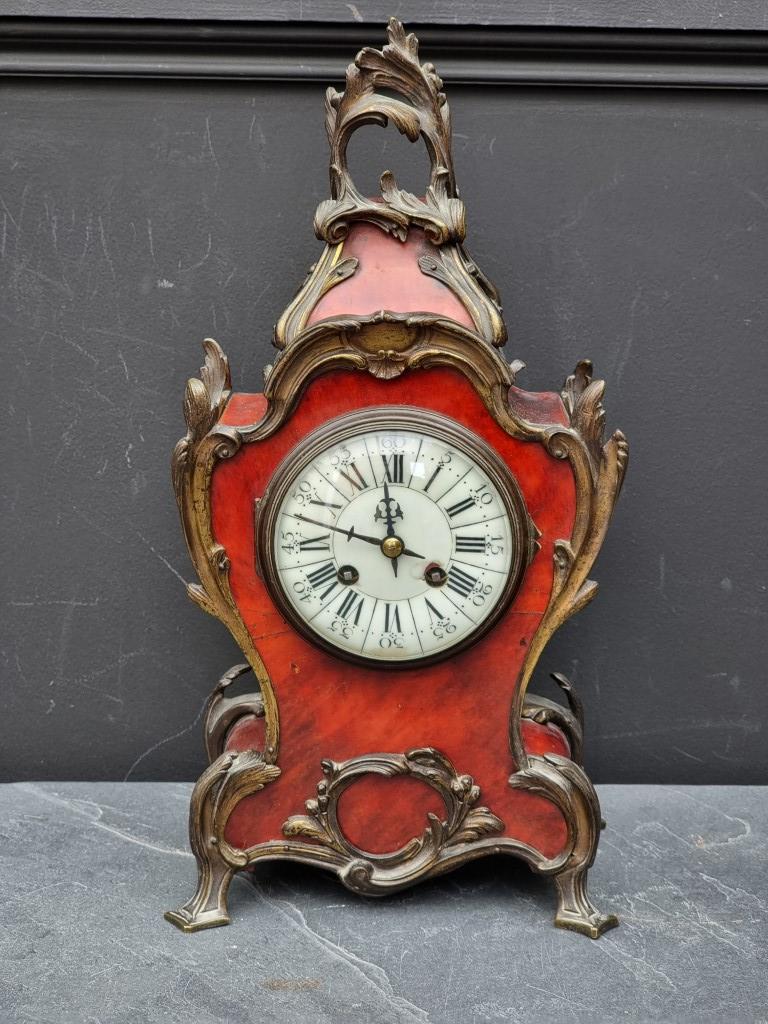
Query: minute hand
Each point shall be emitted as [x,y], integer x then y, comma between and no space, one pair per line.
[390,521]
[351,535]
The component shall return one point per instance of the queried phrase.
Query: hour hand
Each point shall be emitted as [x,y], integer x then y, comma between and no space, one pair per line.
[413,554]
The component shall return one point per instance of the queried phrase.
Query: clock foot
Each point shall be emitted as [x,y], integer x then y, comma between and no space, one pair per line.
[575,910]
[222,785]
[567,785]
[208,907]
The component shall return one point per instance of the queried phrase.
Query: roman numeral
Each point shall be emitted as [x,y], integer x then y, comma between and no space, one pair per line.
[431,610]
[357,483]
[459,507]
[322,575]
[392,619]
[326,504]
[470,543]
[347,606]
[460,582]
[319,543]
[431,480]
[393,468]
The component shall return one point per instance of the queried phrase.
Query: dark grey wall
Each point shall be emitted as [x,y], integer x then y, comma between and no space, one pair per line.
[630,226]
[716,15]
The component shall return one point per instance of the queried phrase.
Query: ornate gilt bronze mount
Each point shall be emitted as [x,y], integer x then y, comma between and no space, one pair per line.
[387,774]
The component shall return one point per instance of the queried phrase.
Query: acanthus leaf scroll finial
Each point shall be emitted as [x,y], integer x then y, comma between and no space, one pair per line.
[422,112]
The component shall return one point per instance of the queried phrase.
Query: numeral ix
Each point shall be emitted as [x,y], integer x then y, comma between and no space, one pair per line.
[319,543]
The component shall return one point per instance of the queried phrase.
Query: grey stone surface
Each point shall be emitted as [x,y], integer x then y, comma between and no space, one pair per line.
[87,870]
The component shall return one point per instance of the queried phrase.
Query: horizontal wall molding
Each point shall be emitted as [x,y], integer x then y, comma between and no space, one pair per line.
[304,52]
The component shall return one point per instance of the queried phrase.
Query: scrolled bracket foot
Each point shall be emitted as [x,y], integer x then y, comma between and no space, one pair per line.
[566,784]
[231,777]
[575,910]
[208,907]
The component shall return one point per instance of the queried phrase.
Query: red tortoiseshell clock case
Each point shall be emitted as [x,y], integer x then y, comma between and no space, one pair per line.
[388,775]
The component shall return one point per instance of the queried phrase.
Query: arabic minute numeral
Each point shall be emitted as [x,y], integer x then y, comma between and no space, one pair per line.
[482,495]
[305,494]
[342,457]
[480,592]
[289,541]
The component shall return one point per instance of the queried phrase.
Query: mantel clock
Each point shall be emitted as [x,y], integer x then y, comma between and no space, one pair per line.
[391,531]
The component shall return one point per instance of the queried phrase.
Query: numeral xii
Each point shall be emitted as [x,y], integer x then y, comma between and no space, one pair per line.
[393,468]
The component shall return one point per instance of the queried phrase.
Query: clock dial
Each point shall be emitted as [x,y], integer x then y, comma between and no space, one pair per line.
[393,536]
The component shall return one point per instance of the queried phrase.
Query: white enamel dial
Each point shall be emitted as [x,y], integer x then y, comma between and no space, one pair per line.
[394,542]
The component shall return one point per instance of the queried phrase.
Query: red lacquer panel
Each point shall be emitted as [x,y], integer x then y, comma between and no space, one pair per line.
[388,277]
[333,709]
